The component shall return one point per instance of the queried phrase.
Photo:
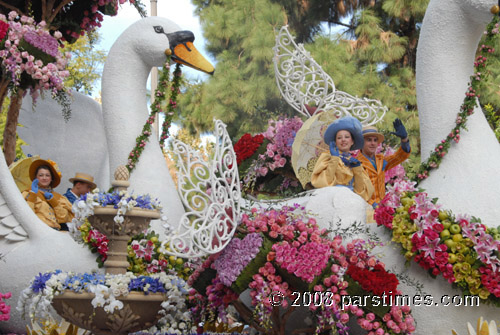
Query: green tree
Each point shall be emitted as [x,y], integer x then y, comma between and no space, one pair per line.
[85,66]
[242,92]
[374,57]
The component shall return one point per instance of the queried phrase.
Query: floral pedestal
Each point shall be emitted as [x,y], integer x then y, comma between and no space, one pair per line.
[139,312]
[134,222]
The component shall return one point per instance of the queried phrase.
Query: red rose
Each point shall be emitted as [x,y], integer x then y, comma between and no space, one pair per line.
[247,146]
[4,27]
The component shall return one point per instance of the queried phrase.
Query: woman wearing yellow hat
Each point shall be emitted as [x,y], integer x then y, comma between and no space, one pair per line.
[50,206]
[339,168]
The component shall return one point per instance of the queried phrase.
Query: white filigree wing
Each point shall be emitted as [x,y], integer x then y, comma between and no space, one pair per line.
[302,82]
[211,193]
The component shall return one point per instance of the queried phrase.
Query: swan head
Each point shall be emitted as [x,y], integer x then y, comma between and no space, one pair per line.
[156,37]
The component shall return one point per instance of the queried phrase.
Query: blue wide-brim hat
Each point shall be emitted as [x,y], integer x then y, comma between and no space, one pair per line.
[350,124]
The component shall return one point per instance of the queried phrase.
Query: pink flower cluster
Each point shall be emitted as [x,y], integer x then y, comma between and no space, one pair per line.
[398,320]
[17,61]
[4,308]
[484,244]
[491,280]
[219,296]
[280,134]
[306,262]
[100,242]
[207,263]
[396,172]
[289,222]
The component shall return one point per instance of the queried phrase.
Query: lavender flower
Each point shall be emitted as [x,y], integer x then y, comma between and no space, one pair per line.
[236,256]
[45,42]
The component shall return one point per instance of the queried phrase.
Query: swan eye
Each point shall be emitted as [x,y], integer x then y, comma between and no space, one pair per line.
[158,29]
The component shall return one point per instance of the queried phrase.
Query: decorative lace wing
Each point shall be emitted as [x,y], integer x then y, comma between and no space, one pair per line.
[302,82]
[211,193]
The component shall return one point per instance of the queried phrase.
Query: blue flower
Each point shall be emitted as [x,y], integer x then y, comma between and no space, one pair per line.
[39,281]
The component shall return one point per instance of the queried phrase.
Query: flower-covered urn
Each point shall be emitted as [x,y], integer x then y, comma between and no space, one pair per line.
[120,222]
[117,302]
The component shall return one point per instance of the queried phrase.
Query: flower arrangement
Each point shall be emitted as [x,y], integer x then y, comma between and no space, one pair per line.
[157,107]
[460,248]
[31,58]
[107,289]
[96,241]
[264,160]
[147,256]
[303,258]
[121,200]
[469,103]
[4,308]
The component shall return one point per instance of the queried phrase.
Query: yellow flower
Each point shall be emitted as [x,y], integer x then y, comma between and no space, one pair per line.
[483,328]
[465,268]
[51,327]
[484,293]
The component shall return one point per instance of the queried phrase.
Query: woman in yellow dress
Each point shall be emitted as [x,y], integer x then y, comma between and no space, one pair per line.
[339,167]
[50,206]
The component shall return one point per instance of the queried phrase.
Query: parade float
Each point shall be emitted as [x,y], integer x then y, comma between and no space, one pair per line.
[303,258]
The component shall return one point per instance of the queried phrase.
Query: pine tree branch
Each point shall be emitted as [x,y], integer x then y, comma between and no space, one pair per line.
[350,26]
[6,5]
[57,10]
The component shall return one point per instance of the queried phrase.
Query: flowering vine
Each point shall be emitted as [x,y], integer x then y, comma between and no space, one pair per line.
[157,107]
[4,308]
[460,248]
[468,105]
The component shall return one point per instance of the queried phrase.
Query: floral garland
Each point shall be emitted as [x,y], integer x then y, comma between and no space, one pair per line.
[35,300]
[468,105]
[304,258]
[4,308]
[156,107]
[461,249]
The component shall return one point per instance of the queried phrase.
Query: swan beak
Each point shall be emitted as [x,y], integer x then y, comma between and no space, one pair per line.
[186,54]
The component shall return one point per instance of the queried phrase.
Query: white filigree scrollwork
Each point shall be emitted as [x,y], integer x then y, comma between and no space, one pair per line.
[302,82]
[211,193]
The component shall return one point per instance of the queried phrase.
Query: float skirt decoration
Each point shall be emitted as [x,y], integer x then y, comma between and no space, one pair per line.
[139,312]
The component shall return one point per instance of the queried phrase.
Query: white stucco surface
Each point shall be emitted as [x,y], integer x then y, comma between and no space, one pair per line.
[467,180]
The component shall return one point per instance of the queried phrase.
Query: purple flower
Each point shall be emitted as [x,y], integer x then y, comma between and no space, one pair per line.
[236,256]
[43,42]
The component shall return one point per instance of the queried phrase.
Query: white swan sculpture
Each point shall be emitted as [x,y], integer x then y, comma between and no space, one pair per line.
[27,245]
[467,181]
